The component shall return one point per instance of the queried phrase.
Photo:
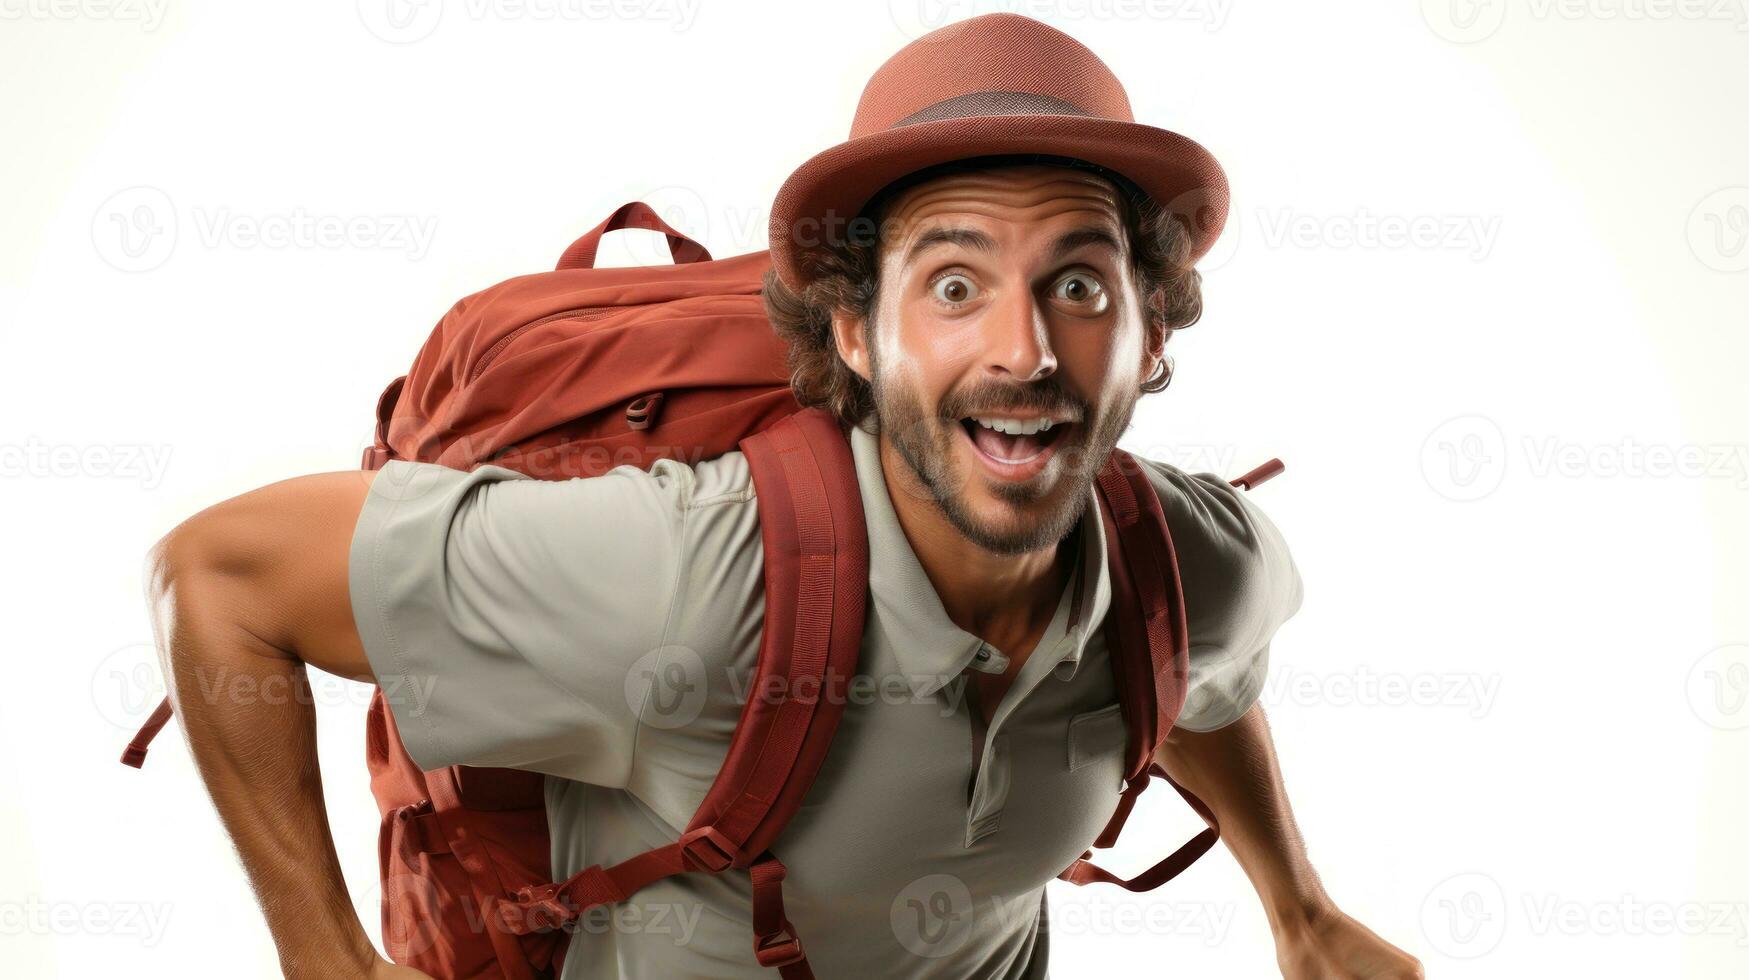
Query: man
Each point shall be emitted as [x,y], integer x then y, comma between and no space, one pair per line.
[985,346]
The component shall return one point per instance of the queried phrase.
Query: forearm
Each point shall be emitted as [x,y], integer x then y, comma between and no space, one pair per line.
[243,704]
[1234,771]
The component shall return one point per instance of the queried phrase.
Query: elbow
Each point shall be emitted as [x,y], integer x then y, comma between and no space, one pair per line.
[226,541]
[169,566]
[160,564]
[188,546]
[199,581]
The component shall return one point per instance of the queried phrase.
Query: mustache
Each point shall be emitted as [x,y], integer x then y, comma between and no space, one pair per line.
[1045,397]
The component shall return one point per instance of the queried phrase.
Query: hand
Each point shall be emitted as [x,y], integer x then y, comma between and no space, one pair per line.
[1328,945]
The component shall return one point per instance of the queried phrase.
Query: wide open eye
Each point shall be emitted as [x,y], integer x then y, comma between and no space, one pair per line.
[953,289]
[1081,290]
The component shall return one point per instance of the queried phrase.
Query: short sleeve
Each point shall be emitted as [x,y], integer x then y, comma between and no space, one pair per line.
[1240,584]
[503,615]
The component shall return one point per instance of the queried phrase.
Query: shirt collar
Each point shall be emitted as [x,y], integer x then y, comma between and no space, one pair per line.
[930,648]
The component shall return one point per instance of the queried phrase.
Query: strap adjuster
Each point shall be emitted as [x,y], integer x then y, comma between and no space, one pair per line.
[536,909]
[542,908]
[781,948]
[708,850]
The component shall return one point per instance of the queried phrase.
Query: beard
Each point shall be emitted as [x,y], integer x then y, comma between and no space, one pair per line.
[1043,513]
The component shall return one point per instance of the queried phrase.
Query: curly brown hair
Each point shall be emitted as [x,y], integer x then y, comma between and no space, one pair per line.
[844,275]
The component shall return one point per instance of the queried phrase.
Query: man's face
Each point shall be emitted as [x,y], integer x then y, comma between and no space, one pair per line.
[1006,300]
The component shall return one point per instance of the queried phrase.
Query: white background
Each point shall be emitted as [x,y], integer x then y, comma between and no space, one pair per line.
[1512,713]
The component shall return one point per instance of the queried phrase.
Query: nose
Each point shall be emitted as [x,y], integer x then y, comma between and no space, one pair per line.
[1017,344]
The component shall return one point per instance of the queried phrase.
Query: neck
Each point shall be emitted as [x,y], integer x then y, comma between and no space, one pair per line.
[1005,600]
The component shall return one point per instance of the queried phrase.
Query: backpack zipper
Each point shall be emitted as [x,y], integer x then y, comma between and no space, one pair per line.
[580,313]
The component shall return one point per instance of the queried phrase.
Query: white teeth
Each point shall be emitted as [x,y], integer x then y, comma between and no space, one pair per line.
[1015,427]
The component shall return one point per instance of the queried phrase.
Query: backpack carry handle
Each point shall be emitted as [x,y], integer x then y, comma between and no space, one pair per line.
[637,214]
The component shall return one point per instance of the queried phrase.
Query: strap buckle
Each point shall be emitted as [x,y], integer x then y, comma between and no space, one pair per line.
[780,948]
[556,905]
[536,909]
[707,849]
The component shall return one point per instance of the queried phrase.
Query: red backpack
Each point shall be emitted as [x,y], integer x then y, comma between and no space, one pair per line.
[572,372]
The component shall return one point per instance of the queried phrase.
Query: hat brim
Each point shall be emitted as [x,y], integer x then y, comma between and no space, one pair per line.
[816,203]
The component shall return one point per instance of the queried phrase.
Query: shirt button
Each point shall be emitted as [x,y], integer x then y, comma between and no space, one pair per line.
[989,660]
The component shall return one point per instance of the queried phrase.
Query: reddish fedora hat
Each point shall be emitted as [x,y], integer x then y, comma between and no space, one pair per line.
[997,83]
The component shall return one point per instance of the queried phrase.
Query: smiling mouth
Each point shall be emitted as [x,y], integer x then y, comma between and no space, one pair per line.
[1013,452]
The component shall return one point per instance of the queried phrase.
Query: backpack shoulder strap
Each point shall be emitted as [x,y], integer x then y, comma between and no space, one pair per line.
[1148,637]
[1145,629]
[816,596]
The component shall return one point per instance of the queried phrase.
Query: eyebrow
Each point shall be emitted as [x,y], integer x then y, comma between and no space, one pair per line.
[976,240]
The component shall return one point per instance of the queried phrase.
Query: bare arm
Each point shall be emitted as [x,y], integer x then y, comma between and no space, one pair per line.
[242,596]
[1234,771]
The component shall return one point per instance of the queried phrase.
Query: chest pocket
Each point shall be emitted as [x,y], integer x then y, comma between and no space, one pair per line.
[1097,734]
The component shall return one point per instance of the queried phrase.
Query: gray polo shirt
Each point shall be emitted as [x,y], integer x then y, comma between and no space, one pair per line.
[603,631]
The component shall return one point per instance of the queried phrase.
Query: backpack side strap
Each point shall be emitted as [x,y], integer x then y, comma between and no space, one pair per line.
[1085,872]
[135,754]
[1148,635]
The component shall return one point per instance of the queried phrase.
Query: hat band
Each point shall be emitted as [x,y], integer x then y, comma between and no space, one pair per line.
[992,103]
